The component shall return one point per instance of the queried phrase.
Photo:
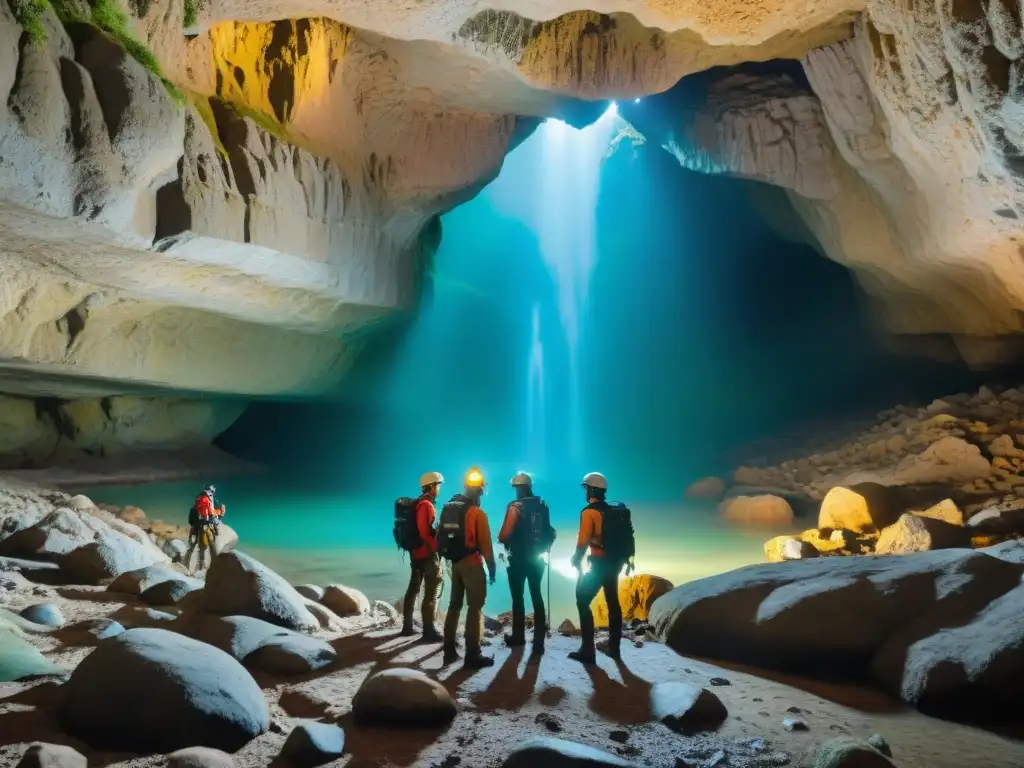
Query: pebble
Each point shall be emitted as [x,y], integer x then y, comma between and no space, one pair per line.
[549,721]
[719,681]
[620,736]
[878,741]
[794,724]
[638,643]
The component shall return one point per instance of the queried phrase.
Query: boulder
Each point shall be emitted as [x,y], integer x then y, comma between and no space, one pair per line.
[950,460]
[757,510]
[1010,551]
[912,533]
[136,616]
[862,508]
[386,612]
[40,755]
[797,549]
[89,632]
[227,539]
[292,655]
[19,659]
[968,664]
[260,644]
[550,752]
[847,753]
[138,581]
[403,697]
[345,601]
[303,704]
[170,592]
[311,591]
[200,757]
[110,556]
[175,549]
[636,595]
[81,503]
[710,488]
[687,709]
[1004,446]
[152,690]
[946,511]
[311,743]
[328,619]
[999,519]
[237,584]
[58,533]
[824,615]
[46,614]
[133,515]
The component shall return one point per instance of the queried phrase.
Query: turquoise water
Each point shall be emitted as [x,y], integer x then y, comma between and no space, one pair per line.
[311,536]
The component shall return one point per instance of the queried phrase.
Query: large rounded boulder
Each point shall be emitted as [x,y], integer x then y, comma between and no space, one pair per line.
[345,601]
[761,510]
[403,697]
[636,596]
[153,690]
[239,585]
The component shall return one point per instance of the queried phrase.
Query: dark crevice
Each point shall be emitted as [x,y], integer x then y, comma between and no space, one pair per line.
[73,324]
[104,60]
[173,212]
[246,234]
[281,89]
[74,93]
[233,133]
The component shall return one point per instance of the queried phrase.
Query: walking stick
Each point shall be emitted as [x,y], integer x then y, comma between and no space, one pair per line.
[547,630]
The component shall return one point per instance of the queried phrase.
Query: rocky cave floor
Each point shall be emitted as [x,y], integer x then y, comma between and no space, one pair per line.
[308,651]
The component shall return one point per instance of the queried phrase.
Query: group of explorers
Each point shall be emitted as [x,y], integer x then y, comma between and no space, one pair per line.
[462,537]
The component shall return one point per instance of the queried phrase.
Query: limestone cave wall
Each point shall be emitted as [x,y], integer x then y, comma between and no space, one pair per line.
[220,197]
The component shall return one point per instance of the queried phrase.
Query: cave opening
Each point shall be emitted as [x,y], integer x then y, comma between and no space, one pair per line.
[599,305]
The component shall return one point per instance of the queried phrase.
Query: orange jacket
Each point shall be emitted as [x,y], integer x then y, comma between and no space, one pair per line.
[478,536]
[590,532]
[425,518]
[509,524]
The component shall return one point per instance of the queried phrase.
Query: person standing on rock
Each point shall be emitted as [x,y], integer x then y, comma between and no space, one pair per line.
[204,525]
[464,539]
[527,534]
[425,566]
[607,530]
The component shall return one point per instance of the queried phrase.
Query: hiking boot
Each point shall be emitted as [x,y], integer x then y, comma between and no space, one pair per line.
[584,656]
[431,635]
[537,650]
[407,631]
[612,652]
[477,661]
[450,656]
[514,642]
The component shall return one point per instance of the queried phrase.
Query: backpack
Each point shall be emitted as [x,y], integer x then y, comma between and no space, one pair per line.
[533,533]
[451,530]
[193,517]
[406,531]
[616,531]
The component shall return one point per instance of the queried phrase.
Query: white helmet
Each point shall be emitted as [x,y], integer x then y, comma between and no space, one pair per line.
[521,478]
[595,480]
[431,478]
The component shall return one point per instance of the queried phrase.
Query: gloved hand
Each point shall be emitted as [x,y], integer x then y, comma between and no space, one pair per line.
[630,566]
[577,562]
[491,578]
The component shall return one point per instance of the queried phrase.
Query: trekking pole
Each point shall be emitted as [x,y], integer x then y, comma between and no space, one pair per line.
[547,630]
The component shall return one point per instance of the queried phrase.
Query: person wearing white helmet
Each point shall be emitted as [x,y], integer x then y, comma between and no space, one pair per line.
[464,538]
[527,534]
[415,532]
[607,531]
